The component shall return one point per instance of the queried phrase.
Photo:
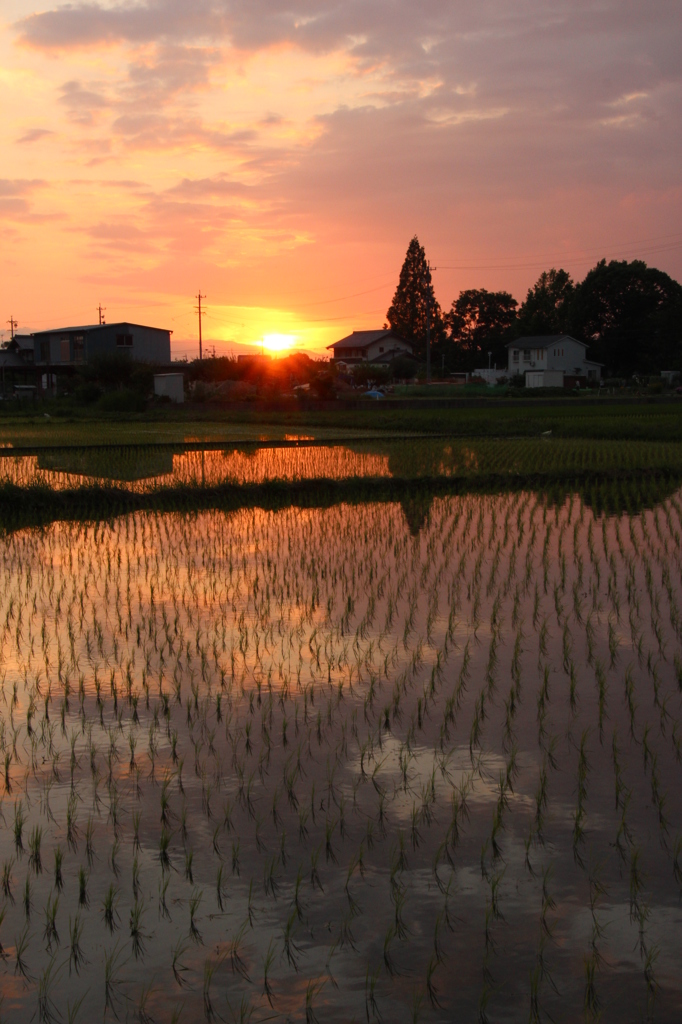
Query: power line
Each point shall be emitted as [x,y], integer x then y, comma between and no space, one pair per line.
[101,311]
[584,255]
[12,324]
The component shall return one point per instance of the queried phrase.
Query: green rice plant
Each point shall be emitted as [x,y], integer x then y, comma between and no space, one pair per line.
[164,843]
[210,967]
[268,961]
[20,946]
[313,988]
[194,903]
[109,912]
[179,969]
[28,897]
[137,935]
[72,831]
[19,821]
[431,990]
[142,1014]
[47,1011]
[7,879]
[83,899]
[291,949]
[76,956]
[591,1000]
[51,907]
[112,962]
[73,1009]
[371,1002]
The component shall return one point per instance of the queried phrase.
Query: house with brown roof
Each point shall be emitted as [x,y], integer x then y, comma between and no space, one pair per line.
[370,347]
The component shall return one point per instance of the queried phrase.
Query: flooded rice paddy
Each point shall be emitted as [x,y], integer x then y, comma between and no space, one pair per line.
[332,764]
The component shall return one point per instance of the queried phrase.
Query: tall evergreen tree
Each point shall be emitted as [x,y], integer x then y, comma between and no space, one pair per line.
[407,313]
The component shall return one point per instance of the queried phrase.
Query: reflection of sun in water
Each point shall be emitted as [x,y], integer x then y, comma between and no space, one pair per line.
[278,342]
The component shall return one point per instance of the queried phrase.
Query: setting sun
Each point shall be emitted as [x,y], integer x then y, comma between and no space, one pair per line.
[278,342]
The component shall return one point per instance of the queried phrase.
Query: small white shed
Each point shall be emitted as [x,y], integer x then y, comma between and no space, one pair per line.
[544,378]
[172,385]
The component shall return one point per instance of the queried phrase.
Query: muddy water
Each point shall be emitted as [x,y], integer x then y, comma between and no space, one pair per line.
[325,764]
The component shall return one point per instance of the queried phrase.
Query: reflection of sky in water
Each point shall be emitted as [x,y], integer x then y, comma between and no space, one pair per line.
[265,650]
[141,471]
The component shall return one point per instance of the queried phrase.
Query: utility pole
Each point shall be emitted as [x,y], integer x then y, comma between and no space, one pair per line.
[12,324]
[428,323]
[201,313]
[101,310]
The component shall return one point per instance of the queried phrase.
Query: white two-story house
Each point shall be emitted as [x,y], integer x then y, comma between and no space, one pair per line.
[551,360]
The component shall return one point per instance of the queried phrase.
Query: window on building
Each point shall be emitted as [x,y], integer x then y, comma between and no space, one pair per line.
[44,351]
[65,350]
[526,355]
[124,340]
[515,355]
[78,348]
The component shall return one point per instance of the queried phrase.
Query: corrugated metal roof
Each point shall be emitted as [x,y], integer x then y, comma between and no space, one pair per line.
[99,327]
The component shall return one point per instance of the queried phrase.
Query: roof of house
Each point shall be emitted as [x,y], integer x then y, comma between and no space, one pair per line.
[99,327]
[22,341]
[394,353]
[363,339]
[542,341]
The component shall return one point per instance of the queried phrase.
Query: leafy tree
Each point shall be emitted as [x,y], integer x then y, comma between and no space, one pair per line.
[479,322]
[632,316]
[547,308]
[407,314]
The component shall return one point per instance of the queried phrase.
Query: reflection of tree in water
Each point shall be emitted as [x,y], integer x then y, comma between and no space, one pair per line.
[603,496]
[416,510]
[620,495]
[431,458]
[109,463]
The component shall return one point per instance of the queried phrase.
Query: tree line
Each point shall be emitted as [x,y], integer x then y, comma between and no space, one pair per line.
[629,314]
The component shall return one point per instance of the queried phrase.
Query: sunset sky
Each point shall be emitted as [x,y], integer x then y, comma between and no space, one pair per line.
[280,156]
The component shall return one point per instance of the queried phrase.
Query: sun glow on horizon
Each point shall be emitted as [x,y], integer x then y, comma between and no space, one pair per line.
[278,342]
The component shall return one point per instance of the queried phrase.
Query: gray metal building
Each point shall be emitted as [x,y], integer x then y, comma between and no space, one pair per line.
[71,346]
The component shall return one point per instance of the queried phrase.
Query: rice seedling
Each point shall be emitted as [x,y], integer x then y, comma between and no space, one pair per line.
[20,946]
[76,956]
[51,934]
[137,935]
[109,913]
[112,962]
[47,1011]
